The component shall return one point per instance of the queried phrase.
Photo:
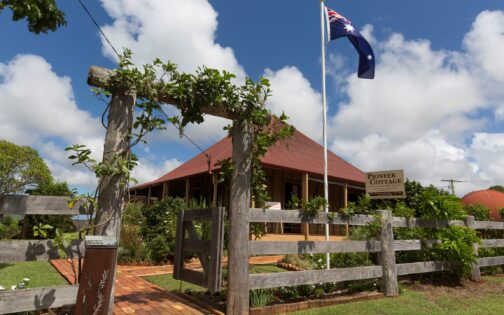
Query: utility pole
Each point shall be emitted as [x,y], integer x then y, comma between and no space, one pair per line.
[452,184]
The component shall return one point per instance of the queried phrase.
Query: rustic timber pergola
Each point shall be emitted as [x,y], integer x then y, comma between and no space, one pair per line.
[111,193]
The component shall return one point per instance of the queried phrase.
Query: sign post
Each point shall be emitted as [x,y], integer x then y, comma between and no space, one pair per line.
[95,285]
[385,184]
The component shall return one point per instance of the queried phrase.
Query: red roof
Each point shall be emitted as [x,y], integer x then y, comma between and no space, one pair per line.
[493,200]
[298,153]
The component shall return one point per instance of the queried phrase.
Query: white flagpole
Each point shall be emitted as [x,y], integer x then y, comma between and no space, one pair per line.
[324,129]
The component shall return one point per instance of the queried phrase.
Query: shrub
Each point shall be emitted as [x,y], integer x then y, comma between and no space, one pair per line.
[9,227]
[305,289]
[480,212]
[159,227]
[131,245]
[288,292]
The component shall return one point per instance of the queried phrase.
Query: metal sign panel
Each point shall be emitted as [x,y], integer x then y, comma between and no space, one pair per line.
[100,241]
[385,184]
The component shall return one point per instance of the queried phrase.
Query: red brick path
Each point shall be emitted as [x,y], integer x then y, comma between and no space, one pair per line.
[134,295]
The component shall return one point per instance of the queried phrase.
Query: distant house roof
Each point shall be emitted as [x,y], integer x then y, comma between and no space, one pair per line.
[494,200]
[298,153]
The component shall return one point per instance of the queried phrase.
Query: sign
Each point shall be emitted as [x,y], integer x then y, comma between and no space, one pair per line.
[97,277]
[385,184]
[100,241]
[273,205]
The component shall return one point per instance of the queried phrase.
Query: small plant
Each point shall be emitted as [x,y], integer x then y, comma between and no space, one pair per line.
[331,216]
[257,230]
[305,289]
[314,206]
[288,292]
[260,298]
[42,230]
[480,212]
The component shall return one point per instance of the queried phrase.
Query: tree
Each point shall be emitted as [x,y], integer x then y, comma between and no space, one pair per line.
[51,188]
[497,188]
[21,168]
[42,15]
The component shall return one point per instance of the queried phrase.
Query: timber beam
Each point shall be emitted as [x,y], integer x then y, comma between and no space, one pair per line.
[98,77]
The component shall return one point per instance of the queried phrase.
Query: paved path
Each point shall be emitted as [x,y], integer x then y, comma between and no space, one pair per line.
[134,295]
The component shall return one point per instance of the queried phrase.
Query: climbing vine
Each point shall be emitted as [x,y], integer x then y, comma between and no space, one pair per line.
[206,88]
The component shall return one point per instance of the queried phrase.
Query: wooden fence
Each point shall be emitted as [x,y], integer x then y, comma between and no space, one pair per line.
[386,247]
[30,250]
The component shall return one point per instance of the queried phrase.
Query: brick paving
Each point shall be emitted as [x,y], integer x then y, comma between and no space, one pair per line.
[134,295]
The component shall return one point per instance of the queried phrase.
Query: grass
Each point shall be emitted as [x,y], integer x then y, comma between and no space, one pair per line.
[168,283]
[425,302]
[40,273]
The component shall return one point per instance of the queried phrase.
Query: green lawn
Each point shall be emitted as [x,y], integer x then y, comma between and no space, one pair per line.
[40,273]
[167,282]
[484,299]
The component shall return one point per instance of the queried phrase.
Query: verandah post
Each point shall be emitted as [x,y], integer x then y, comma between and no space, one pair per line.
[388,283]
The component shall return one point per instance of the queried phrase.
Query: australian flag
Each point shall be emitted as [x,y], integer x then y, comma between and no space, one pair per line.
[340,26]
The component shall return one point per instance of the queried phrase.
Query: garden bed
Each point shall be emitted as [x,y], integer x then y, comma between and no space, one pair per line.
[218,306]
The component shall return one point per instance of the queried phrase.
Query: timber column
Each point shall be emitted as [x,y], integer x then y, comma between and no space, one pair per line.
[305,227]
[112,189]
[238,289]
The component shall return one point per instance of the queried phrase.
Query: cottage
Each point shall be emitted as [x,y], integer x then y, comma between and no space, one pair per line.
[293,167]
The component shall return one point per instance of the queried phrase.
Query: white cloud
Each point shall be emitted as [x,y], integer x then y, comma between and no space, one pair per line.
[181,31]
[415,89]
[293,94]
[147,171]
[485,42]
[35,103]
[422,112]
[38,105]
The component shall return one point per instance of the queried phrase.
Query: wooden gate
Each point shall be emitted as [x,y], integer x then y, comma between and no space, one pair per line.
[209,251]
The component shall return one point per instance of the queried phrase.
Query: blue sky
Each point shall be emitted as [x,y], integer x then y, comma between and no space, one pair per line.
[435,109]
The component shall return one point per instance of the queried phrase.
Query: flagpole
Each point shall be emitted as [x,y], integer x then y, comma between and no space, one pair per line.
[324,128]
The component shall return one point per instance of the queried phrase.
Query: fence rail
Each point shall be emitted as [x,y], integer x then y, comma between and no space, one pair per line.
[49,205]
[385,246]
[28,250]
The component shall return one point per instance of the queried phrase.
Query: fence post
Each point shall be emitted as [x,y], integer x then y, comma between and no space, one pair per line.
[388,282]
[475,271]
[178,262]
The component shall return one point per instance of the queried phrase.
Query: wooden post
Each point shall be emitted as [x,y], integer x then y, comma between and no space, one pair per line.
[475,270]
[163,194]
[149,195]
[305,227]
[388,284]
[215,182]
[111,188]
[345,203]
[187,190]
[238,282]
[178,262]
